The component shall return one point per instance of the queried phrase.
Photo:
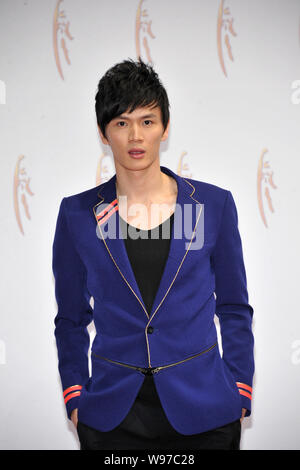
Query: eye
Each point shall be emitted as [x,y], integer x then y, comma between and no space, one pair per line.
[121,122]
[148,120]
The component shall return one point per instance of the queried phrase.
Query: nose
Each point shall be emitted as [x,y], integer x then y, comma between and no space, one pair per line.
[135,133]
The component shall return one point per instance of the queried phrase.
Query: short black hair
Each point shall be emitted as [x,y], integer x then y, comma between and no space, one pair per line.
[126,86]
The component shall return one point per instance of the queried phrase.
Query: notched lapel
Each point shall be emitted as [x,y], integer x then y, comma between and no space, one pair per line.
[106,213]
[187,214]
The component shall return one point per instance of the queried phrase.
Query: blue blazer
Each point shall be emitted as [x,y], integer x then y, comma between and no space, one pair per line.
[176,341]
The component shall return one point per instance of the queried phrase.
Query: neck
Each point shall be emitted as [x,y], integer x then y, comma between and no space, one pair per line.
[143,186]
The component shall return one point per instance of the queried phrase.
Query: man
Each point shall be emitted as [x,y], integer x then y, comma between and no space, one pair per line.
[158,379]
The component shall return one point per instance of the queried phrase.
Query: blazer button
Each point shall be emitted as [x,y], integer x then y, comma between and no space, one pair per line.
[150,329]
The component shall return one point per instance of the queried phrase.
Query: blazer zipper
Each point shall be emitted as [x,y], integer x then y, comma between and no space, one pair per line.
[154,370]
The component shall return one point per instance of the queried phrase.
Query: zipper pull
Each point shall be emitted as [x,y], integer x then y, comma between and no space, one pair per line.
[148,370]
[154,370]
[142,369]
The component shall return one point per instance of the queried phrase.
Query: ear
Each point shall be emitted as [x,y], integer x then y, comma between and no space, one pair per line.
[104,139]
[166,132]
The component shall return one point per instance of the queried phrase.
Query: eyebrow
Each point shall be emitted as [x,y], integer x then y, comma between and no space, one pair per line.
[146,116]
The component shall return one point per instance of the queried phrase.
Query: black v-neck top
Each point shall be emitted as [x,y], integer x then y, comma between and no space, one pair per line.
[148,251]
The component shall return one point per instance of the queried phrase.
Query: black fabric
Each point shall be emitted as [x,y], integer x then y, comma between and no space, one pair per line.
[148,251]
[146,425]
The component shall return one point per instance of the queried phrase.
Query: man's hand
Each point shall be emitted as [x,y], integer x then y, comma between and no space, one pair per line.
[243,414]
[74,417]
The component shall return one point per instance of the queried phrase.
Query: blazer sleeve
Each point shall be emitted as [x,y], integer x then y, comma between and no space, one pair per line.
[74,312]
[232,307]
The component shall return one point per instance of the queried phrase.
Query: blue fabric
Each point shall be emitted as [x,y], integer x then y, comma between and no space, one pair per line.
[198,394]
[146,427]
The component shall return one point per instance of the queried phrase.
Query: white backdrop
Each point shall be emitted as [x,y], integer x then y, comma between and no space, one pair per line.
[232,72]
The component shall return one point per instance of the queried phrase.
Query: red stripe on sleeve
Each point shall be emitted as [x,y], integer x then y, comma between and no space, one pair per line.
[72,389]
[72,395]
[246,394]
[246,387]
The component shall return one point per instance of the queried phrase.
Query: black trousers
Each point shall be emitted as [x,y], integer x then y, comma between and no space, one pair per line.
[147,427]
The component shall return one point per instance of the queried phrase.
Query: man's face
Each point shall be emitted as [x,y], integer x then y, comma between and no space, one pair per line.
[142,129]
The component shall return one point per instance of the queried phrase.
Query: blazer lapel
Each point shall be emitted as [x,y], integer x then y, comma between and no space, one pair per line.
[109,231]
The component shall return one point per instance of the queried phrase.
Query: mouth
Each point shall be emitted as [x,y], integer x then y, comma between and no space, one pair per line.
[136,153]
